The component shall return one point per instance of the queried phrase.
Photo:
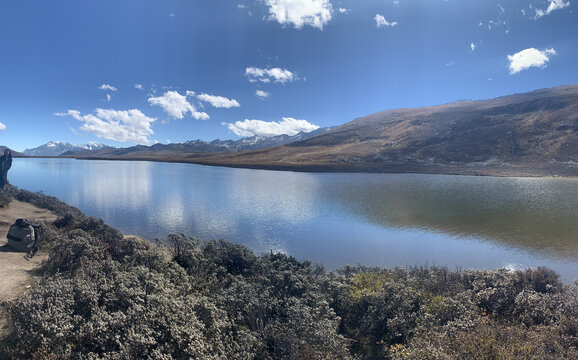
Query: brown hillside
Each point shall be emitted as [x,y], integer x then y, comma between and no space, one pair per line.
[524,134]
[529,134]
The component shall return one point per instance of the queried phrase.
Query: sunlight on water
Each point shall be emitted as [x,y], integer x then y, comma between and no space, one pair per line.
[127,186]
[336,219]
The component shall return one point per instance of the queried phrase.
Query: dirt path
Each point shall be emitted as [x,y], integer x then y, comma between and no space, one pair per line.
[14,268]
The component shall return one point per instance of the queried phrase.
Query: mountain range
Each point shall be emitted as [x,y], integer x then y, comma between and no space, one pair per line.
[527,134]
[195,146]
[55,148]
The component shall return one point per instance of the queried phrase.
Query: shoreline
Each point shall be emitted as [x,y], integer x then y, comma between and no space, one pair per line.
[437,169]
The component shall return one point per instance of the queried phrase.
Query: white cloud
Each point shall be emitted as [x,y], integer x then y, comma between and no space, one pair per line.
[473,47]
[124,126]
[450,63]
[2,127]
[315,13]
[380,21]
[344,10]
[219,101]
[172,15]
[107,87]
[262,94]
[277,75]
[108,97]
[287,126]
[177,106]
[554,5]
[138,87]
[528,58]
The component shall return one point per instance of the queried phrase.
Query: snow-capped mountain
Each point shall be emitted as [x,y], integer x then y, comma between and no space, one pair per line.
[255,142]
[55,148]
[200,146]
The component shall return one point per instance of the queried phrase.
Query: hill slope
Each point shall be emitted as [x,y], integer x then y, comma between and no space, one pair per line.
[532,134]
[14,153]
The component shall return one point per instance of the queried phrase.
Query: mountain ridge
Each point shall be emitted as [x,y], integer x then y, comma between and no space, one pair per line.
[199,146]
[55,148]
[524,134]
[527,134]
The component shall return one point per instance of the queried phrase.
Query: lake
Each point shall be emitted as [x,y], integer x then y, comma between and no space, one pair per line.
[335,219]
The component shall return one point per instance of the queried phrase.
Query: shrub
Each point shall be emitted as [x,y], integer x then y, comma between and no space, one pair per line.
[64,221]
[233,258]
[5,198]
[542,280]
[487,340]
[74,250]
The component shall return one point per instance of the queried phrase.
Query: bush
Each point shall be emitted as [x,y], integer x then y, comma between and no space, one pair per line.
[487,340]
[542,280]
[5,199]
[424,313]
[64,221]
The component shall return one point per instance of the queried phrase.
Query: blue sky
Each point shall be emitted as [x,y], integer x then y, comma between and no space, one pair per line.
[124,72]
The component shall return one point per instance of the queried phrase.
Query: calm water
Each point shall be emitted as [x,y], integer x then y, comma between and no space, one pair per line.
[335,219]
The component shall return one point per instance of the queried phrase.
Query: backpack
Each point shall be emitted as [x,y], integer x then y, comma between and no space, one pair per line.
[23,236]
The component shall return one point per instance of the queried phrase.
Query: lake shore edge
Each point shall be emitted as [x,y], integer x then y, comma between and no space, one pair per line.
[570,172]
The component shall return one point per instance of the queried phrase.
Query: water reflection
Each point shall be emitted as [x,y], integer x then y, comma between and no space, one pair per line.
[257,207]
[535,214]
[113,184]
[336,219]
[273,195]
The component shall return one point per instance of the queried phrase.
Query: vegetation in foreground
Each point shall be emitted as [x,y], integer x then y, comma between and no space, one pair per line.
[103,296]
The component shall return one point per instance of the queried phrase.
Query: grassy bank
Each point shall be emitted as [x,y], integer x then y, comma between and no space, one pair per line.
[105,296]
